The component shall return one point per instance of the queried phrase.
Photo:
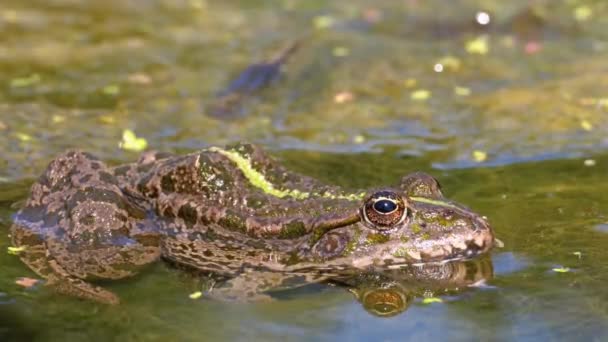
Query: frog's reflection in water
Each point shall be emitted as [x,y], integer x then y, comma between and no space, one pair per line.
[389,293]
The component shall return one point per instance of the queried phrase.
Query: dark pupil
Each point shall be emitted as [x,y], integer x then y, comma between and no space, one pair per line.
[385,206]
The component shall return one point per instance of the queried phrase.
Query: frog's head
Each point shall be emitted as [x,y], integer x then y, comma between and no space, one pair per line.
[412,224]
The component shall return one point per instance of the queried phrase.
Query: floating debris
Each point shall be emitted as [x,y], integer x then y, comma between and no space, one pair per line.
[372,15]
[410,83]
[478,46]
[56,119]
[359,139]
[108,119]
[532,47]
[343,97]
[578,254]
[323,22]
[131,142]
[23,136]
[449,63]
[479,156]
[27,282]
[25,81]
[196,295]
[420,95]
[586,125]
[139,78]
[589,162]
[340,51]
[431,300]
[15,250]
[10,16]
[111,89]
[561,269]
[582,13]
[198,4]
[462,91]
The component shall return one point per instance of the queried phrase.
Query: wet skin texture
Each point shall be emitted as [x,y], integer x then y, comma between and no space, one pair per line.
[233,212]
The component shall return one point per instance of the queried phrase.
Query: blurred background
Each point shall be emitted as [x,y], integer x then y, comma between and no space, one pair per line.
[488,82]
[504,101]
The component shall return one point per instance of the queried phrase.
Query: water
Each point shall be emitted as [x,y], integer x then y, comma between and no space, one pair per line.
[510,133]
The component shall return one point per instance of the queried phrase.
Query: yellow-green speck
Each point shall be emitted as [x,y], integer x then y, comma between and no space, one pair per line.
[132,142]
[15,250]
[431,300]
[196,295]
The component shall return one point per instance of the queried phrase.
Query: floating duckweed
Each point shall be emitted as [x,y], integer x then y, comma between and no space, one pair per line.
[462,91]
[582,13]
[480,156]
[410,83]
[196,295]
[25,81]
[586,125]
[340,51]
[10,16]
[111,89]
[15,250]
[478,46]
[449,63]
[420,95]
[589,162]
[359,139]
[431,300]
[23,136]
[561,269]
[323,22]
[57,119]
[425,236]
[198,4]
[107,119]
[131,142]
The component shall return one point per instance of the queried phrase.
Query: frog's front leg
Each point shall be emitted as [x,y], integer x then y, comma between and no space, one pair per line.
[77,227]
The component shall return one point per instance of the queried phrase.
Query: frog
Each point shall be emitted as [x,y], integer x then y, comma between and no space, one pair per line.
[235,212]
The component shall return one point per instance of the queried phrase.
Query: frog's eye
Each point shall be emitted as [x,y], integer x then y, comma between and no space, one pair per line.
[384,210]
[385,206]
